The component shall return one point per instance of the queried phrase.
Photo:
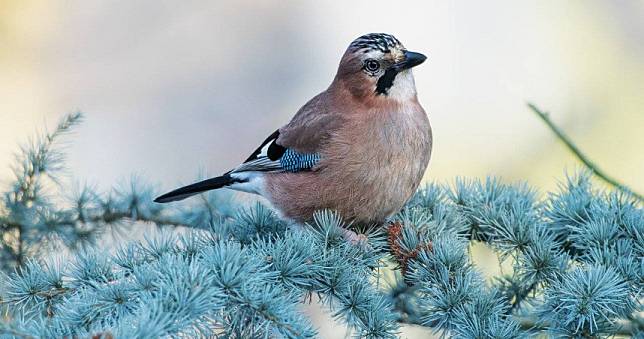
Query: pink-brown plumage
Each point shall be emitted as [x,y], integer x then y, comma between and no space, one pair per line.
[374,154]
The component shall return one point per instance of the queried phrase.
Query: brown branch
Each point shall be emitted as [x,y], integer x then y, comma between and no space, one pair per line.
[582,157]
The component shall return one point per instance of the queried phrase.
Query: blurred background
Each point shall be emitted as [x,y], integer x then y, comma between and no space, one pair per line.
[172,91]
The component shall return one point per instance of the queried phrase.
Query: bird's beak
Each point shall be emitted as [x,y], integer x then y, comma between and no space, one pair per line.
[412,59]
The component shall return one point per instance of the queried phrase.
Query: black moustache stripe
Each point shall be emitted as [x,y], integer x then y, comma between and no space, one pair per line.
[386,81]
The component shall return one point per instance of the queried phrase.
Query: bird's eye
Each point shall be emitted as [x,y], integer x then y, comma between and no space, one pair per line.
[371,65]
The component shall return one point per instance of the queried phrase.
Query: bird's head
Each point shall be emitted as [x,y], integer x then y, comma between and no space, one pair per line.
[377,66]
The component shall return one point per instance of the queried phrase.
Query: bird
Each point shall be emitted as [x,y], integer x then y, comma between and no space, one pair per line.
[360,147]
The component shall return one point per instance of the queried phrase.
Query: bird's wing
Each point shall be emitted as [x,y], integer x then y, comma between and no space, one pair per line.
[270,156]
[296,146]
[312,125]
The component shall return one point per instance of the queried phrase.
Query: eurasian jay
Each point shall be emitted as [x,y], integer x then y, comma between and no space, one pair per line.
[360,147]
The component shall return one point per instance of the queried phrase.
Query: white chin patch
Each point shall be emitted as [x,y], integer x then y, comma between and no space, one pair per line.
[404,87]
[254,182]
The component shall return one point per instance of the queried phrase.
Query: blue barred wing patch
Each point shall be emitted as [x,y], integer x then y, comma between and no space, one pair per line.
[293,161]
[289,161]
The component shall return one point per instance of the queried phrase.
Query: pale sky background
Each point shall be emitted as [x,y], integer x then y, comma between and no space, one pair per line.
[171,89]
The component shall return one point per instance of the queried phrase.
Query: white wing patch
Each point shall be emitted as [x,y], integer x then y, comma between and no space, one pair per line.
[259,164]
[259,160]
[264,151]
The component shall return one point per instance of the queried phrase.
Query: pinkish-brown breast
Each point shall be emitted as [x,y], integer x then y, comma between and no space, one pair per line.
[370,167]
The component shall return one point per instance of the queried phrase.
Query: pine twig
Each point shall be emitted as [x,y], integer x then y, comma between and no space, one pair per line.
[624,328]
[14,333]
[582,157]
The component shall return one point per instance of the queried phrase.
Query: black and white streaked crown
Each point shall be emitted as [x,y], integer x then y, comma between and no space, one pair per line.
[376,41]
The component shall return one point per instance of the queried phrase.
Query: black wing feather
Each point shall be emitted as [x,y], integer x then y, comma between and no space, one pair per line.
[275,151]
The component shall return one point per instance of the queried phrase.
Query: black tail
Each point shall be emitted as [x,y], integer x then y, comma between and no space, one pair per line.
[196,188]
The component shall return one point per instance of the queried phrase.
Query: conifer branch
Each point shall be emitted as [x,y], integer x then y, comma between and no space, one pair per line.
[241,272]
